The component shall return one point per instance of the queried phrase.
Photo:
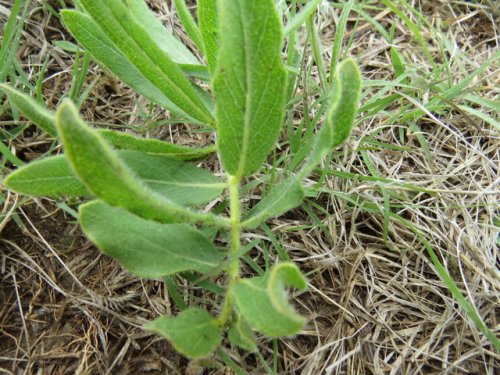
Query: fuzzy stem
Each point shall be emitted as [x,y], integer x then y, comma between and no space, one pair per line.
[233,269]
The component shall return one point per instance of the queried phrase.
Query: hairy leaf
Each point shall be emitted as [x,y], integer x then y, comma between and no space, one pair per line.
[110,179]
[194,332]
[188,23]
[146,248]
[282,198]
[177,51]
[207,19]
[154,146]
[240,334]
[263,301]
[249,83]
[91,37]
[180,182]
[346,93]
[50,177]
[136,44]
[29,107]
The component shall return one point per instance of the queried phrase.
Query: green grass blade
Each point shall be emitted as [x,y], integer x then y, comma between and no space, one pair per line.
[299,19]
[339,37]
[249,83]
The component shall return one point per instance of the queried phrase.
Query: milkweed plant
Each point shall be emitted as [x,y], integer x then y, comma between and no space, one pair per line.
[142,197]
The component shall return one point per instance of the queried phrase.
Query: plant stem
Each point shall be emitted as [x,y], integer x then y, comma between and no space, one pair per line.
[233,269]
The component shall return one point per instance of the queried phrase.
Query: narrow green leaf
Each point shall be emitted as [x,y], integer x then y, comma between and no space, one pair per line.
[346,93]
[110,179]
[91,37]
[193,332]
[339,36]
[282,198]
[241,335]
[249,83]
[34,111]
[146,248]
[188,23]
[179,182]
[263,301]
[136,44]
[177,51]
[67,46]
[154,146]
[207,20]
[301,17]
[51,177]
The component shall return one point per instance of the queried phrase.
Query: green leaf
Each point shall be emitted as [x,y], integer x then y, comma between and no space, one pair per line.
[263,301]
[282,198]
[249,83]
[34,111]
[301,17]
[92,38]
[188,23]
[240,334]
[110,179]
[193,332]
[154,146]
[177,51]
[207,20]
[146,248]
[346,93]
[180,182]
[51,177]
[132,39]
[67,46]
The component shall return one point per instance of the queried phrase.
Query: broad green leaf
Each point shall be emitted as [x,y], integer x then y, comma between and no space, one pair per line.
[282,198]
[188,23]
[110,179]
[194,332]
[263,301]
[154,146]
[207,20]
[29,107]
[131,38]
[177,51]
[51,177]
[180,182]
[240,334]
[91,37]
[346,93]
[249,83]
[146,248]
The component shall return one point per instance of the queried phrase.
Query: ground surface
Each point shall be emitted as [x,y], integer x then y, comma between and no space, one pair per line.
[376,304]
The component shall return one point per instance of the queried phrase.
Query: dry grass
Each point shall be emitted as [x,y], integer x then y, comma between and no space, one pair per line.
[375,303]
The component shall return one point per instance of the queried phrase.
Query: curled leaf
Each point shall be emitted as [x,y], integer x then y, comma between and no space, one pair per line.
[263,301]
